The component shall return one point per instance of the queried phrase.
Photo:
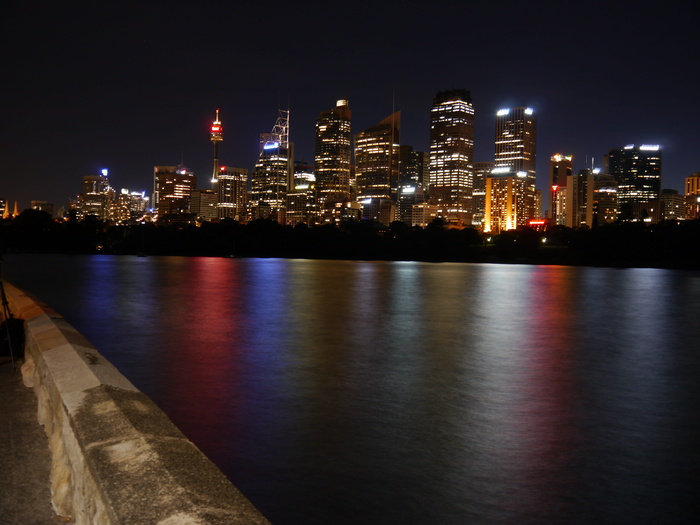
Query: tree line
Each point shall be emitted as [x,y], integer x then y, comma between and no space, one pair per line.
[620,244]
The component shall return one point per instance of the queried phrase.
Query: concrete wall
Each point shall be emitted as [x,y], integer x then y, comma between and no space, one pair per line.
[116,457]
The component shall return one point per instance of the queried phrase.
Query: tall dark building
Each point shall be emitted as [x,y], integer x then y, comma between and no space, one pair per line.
[452,154]
[333,154]
[637,170]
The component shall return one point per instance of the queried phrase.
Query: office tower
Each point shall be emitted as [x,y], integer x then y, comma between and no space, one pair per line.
[409,196]
[273,172]
[377,159]
[96,197]
[216,135]
[692,184]
[510,188]
[130,205]
[232,189]
[481,171]
[579,199]
[560,168]
[412,167]
[451,178]
[516,138]
[301,197]
[637,170]
[333,153]
[673,207]
[203,204]
[172,190]
[605,207]
[692,195]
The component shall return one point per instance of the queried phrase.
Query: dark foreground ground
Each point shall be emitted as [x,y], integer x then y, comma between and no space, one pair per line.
[25,497]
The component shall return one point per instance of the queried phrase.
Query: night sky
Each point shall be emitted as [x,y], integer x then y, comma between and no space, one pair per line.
[129,85]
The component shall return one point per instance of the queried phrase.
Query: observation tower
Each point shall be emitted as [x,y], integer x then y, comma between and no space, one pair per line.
[216,136]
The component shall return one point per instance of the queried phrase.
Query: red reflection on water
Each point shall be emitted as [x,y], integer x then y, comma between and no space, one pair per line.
[204,365]
[546,418]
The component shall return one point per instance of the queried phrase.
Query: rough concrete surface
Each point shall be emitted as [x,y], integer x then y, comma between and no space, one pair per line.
[112,456]
[25,497]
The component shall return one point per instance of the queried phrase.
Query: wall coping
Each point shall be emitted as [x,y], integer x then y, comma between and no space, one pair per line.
[116,457]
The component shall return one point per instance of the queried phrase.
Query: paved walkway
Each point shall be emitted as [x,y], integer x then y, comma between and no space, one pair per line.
[25,497]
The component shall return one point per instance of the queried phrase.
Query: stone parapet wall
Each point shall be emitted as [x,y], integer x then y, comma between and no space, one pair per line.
[116,457]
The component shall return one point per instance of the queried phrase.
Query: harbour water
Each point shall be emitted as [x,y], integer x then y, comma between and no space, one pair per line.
[353,392]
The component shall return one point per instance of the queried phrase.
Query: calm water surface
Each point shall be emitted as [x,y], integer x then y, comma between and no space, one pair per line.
[343,392]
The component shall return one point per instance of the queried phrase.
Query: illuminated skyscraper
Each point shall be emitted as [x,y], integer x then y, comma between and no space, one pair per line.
[452,155]
[273,172]
[637,170]
[301,197]
[232,189]
[560,167]
[96,197]
[511,197]
[216,136]
[692,195]
[172,189]
[333,152]
[377,159]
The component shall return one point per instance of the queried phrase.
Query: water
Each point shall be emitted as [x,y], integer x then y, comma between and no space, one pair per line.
[414,393]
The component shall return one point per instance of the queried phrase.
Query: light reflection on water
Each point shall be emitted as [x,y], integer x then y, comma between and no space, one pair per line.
[371,392]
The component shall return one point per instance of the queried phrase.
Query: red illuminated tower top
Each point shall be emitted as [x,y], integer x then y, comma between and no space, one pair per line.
[217,130]
[216,136]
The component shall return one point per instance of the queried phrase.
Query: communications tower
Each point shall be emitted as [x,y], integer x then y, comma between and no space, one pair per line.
[216,136]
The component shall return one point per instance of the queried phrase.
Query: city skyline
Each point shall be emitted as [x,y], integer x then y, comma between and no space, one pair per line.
[98,88]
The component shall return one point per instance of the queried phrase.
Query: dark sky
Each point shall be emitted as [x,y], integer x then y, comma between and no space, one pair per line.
[129,85]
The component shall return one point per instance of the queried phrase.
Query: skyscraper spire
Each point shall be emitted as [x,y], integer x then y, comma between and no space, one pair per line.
[216,136]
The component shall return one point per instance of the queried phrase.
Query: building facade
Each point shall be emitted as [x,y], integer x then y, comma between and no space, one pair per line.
[511,195]
[333,154]
[637,171]
[172,190]
[301,197]
[96,198]
[560,168]
[203,204]
[692,195]
[232,193]
[481,171]
[272,175]
[451,179]
[672,206]
[377,160]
